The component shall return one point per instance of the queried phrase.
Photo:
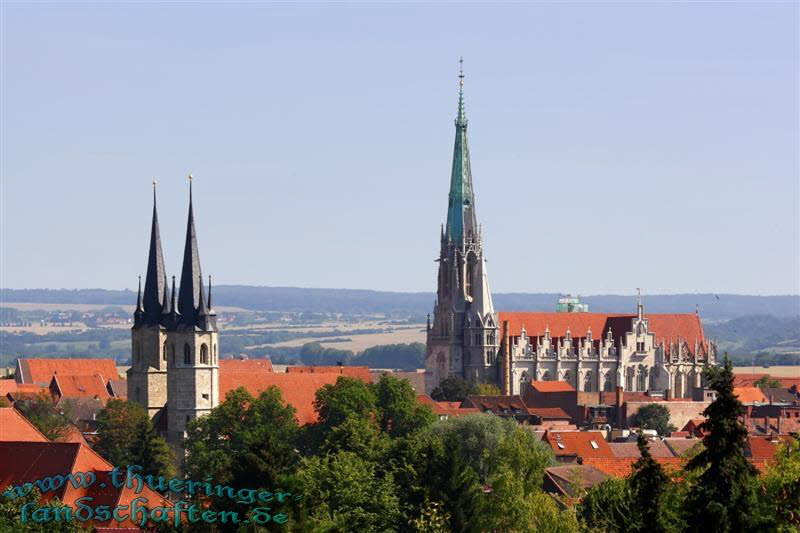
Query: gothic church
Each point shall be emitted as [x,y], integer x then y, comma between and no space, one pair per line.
[662,354]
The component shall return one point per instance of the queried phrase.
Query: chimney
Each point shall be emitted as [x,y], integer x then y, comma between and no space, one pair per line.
[505,363]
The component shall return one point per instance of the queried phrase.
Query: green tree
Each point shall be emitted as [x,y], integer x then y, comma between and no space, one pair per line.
[126,436]
[608,507]
[400,412]
[453,389]
[781,488]
[767,382]
[53,420]
[11,515]
[344,492]
[244,442]
[348,397]
[724,498]
[653,416]
[648,484]
[487,389]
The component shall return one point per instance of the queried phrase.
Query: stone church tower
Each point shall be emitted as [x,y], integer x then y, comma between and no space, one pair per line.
[462,339]
[147,376]
[175,363]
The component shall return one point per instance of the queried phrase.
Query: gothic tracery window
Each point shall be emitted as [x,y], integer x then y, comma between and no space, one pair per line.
[187,354]
[203,354]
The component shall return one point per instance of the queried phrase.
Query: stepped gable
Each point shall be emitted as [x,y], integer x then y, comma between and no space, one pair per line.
[15,427]
[40,370]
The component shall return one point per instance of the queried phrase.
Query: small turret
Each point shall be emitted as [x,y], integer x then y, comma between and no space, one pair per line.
[138,314]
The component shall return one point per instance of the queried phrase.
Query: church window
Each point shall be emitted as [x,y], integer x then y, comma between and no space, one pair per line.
[215,353]
[640,347]
[478,338]
[204,354]
[205,396]
[164,352]
[469,277]
[587,382]
[187,354]
[608,384]
[138,394]
[629,380]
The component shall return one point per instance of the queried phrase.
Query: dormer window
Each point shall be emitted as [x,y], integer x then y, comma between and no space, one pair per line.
[594,445]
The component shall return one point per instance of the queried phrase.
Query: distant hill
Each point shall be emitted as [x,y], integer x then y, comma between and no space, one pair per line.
[712,307]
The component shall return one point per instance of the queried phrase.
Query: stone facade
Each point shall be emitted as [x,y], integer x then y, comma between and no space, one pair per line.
[175,343]
[631,353]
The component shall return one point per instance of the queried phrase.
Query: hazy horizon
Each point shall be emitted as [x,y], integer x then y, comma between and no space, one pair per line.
[613,146]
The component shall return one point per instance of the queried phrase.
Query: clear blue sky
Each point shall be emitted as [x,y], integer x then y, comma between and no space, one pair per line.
[613,145]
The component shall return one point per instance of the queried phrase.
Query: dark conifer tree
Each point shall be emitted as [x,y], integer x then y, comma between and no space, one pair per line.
[648,484]
[724,497]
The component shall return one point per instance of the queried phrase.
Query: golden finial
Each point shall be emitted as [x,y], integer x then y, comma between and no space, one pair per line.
[191,177]
[155,183]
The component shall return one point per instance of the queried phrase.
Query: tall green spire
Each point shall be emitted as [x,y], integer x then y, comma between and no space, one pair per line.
[461,221]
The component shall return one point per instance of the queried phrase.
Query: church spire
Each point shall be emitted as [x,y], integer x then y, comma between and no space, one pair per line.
[189,293]
[461,222]
[154,284]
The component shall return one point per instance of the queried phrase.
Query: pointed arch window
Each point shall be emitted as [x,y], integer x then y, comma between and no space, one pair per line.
[215,353]
[187,354]
[164,351]
[204,354]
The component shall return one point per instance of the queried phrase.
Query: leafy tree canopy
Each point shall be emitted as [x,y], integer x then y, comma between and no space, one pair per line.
[42,411]
[653,416]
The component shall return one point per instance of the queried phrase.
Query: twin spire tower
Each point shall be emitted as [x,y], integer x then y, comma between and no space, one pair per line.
[174,369]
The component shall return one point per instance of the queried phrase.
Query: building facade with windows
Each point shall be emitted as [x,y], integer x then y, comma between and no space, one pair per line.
[660,353]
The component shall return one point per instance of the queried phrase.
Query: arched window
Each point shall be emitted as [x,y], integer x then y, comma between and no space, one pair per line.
[629,379]
[469,277]
[546,376]
[642,379]
[568,377]
[678,388]
[215,353]
[187,354]
[608,384]
[164,351]
[587,381]
[204,354]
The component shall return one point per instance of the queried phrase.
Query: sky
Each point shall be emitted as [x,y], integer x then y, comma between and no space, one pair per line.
[613,145]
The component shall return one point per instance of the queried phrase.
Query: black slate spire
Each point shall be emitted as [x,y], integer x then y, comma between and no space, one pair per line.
[191,276]
[138,314]
[154,284]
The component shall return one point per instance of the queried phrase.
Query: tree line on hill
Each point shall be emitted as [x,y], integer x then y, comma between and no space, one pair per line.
[418,304]
[377,461]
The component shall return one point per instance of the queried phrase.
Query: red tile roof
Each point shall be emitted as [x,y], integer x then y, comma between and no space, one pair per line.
[750,394]
[10,386]
[666,327]
[581,443]
[552,386]
[15,427]
[446,408]
[657,448]
[747,380]
[682,446]
[549,413]
[360,372]
[77,386]
[763,448]
[621,467]
[298,389]
[37,460]
[498,405]
[40,370]
[245,365]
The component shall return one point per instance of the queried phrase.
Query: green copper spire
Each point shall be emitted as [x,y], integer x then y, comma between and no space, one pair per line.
[461,223]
